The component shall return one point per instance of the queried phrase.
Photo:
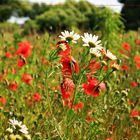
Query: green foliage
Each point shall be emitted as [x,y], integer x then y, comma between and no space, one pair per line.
[30,27]
[89,14]
[8,27]
[37,9]
[60,18]
[6,1]
[110,25]
[51,20]
[82,15]
[13,7]
[5,12]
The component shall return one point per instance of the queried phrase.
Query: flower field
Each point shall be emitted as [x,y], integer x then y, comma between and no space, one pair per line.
[69,86]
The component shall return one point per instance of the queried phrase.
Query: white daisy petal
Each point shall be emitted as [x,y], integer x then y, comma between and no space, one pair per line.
[95,52]
[18,126]
[91,40]
[110,56]
[69,36]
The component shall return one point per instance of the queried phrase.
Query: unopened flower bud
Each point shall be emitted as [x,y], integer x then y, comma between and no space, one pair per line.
[117,81]
[63,46]
[9,130]
[124,92]
[18,137]
[115,67]
[104,63]
[123,100]
[12,137]
[27,137]
[117,92]
[119,61]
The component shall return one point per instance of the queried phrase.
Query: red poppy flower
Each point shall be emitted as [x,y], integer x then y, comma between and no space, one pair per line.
[75,65]
[68,65]
[89,117]
[102,86]
[67,103]
[126,46]
[134,84]
[27,78]
[36,97]
[8,55]
[138,42]
[122,51]
[67,88]
[94,66]
[91,88]
[78,106]
[138,65]
[12,86]
[20,63]
[13,70]
[44,61]
[137,59]
[134,113]
[108,139]
[2,100]
[24,49]
[129,103]
[125,67]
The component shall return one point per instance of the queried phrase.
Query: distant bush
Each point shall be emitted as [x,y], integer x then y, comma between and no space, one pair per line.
[37,9]
[30,27]
[81,15]
[5,13]
[70,14]
[8,27]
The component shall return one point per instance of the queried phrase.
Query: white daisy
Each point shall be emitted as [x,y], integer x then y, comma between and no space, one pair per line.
[69,36]
[91,40]
[110,56]
[18,126]
[15,124]
[95,51]
[24,129]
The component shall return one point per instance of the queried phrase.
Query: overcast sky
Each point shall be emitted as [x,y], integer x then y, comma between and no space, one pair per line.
[114,4]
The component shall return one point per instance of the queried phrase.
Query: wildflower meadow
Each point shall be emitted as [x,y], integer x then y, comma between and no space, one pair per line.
[69,88]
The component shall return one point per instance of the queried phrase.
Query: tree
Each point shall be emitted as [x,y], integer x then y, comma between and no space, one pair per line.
[11,7]
[130,13]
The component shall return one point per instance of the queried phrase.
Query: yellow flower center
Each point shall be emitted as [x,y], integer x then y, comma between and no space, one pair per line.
[91,44]
[69,38]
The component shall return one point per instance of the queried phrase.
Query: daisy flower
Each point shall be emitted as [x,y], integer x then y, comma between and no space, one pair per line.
[14,123]
[91,41]
[95,51]
[24,129]
[18,126]
[69,36]
[110,56]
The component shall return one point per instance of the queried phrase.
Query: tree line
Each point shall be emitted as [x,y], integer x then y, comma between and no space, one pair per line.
[82,15]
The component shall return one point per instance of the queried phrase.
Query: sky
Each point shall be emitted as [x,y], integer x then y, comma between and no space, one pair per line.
[113,4]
